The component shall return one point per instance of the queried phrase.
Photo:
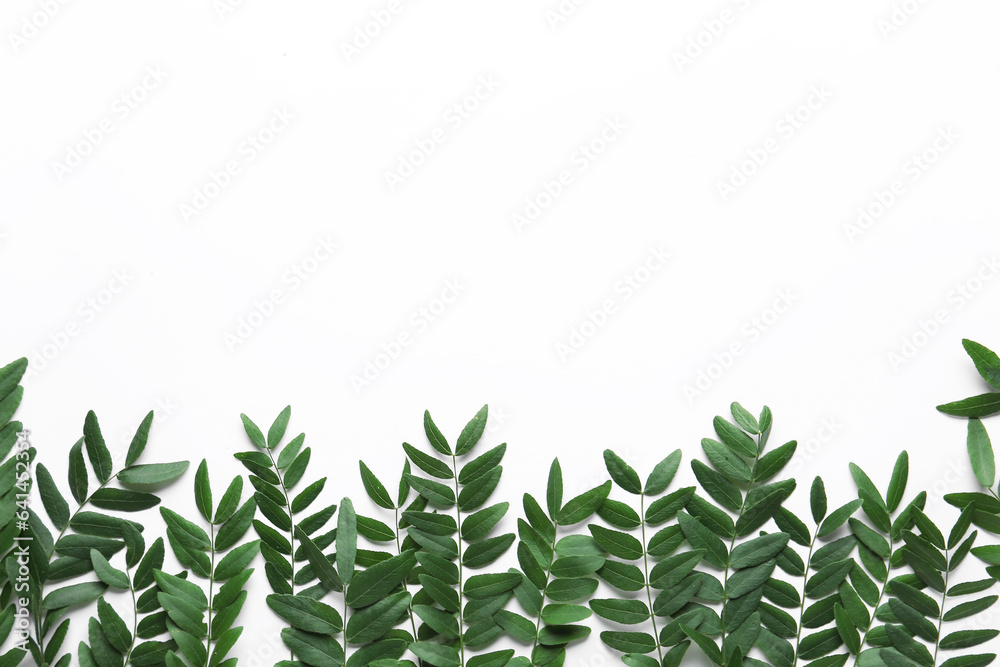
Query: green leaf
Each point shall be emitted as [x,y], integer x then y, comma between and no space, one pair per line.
[187,533]
[897,484]
[817,500]
[74,594]
[981,453]
[428,463]
[622,473]
[629,642]
[97,450]
[256,437]
[734,438]
[314,649]
[139,440]
[758,550]
[347,540]
[374,621]
[277,430]
[554,490]
[437,494]
[838,517]
[237,560]
[967,638]
[150,474]
[203,491]
[982,405]
[375,489]
[106,573]
[472,432]
[774,461]
[663,473]
[78,478]
[584,505]
[323,568]
[434,436]
[701,538]
[986,361]
[762,503]
[726,461]
[746,420]
[306,613]
[55,505]
[483,586]
[717,486]
[121,500]
[436,654]
[617,543]
[377,581]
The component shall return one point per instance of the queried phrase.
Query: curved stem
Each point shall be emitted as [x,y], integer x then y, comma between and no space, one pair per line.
[548,573]
[40,638]
[944,598]
[645,567]
[878,603]
[802,608]
[732,543]
[211,601]
[461,579]
[291,529]
[135,616]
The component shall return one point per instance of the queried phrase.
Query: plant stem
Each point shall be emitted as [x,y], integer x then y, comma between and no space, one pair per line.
[211,582]
[291,528]
[399,550]
[135,616]
[461,580]
[548,572]
[732,543]
[881,594]
[645,567]
[40,639]
[802,608]
[944,597]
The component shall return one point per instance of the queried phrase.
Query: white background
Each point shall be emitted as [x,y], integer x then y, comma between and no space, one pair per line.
[893,80]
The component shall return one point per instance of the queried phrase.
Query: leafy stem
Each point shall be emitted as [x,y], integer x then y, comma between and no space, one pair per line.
[548,577]
[878,603]
[461,577]
[732,542]
[211,583]
[802,606]
[944,598]
[645,568]
[291,520]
